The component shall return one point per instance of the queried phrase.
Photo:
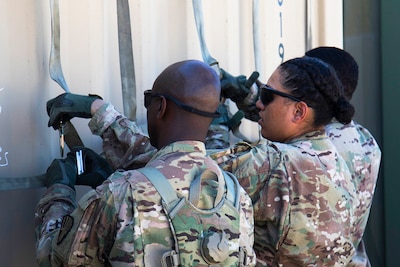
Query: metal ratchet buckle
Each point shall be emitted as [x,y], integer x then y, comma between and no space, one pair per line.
[79,162]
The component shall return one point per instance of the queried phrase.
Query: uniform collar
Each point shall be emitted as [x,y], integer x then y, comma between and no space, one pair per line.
[313,135]
[182,146]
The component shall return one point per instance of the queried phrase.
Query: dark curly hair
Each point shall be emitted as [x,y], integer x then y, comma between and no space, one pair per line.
[316,83]
[345,65]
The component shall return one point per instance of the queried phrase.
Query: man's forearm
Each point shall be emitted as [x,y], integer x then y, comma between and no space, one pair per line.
[125,145]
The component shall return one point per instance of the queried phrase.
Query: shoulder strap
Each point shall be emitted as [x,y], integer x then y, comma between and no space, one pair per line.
[233,188]
[170,200]
[195,187]
[231,183]
[160,182]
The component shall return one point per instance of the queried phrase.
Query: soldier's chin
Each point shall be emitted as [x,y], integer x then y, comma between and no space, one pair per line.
[264,133]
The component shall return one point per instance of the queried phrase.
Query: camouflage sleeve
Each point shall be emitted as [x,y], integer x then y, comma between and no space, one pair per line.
[82,237]
[88,234]
[125,145]
[250,163]
[59,200]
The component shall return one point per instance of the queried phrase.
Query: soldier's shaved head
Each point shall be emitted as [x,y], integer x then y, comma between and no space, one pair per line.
[192,83]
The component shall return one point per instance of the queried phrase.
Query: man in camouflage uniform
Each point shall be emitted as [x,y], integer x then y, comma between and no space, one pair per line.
[122,222]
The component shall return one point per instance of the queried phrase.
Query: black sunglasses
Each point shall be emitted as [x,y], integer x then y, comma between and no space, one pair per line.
[267,95]
[148,94]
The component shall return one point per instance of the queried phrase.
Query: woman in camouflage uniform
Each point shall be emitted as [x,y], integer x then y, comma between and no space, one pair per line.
[353,142]
[302,190]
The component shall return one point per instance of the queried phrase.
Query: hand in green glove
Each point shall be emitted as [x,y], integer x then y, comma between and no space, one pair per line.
[96,168]
[236,88]
[224,119]
[62,171]
[239,90]
[218,133]
[67,106]
[233,87]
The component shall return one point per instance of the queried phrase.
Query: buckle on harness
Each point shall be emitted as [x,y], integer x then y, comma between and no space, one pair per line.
[170,259]
[242,257]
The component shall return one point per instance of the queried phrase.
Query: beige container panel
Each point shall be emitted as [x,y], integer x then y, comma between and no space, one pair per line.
[163,32]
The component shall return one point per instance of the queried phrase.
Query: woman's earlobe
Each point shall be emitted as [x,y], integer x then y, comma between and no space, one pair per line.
[300,112]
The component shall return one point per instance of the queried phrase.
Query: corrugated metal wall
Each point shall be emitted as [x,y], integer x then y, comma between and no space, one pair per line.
[163,32]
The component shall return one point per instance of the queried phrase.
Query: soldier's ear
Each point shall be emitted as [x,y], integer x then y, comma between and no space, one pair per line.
[162,108]
[300,112]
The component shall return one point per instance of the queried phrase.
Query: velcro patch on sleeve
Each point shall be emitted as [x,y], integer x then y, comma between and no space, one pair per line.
[66,226]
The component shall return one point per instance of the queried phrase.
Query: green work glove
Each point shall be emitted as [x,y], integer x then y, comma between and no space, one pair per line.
[218,132]
[236,87]
[96,168]
[224,119]
[67,106]
[239,90]
[250,110]
[62,171]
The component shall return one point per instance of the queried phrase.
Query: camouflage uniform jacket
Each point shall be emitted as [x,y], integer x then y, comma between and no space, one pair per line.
[362,154]
[122,222]
[304,200]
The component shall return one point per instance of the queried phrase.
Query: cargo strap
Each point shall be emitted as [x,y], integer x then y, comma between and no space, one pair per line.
[126,63]
[67,129]
[198,16]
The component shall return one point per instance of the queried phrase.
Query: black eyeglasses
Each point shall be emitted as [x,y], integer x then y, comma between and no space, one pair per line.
[148,94]
[267,95]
